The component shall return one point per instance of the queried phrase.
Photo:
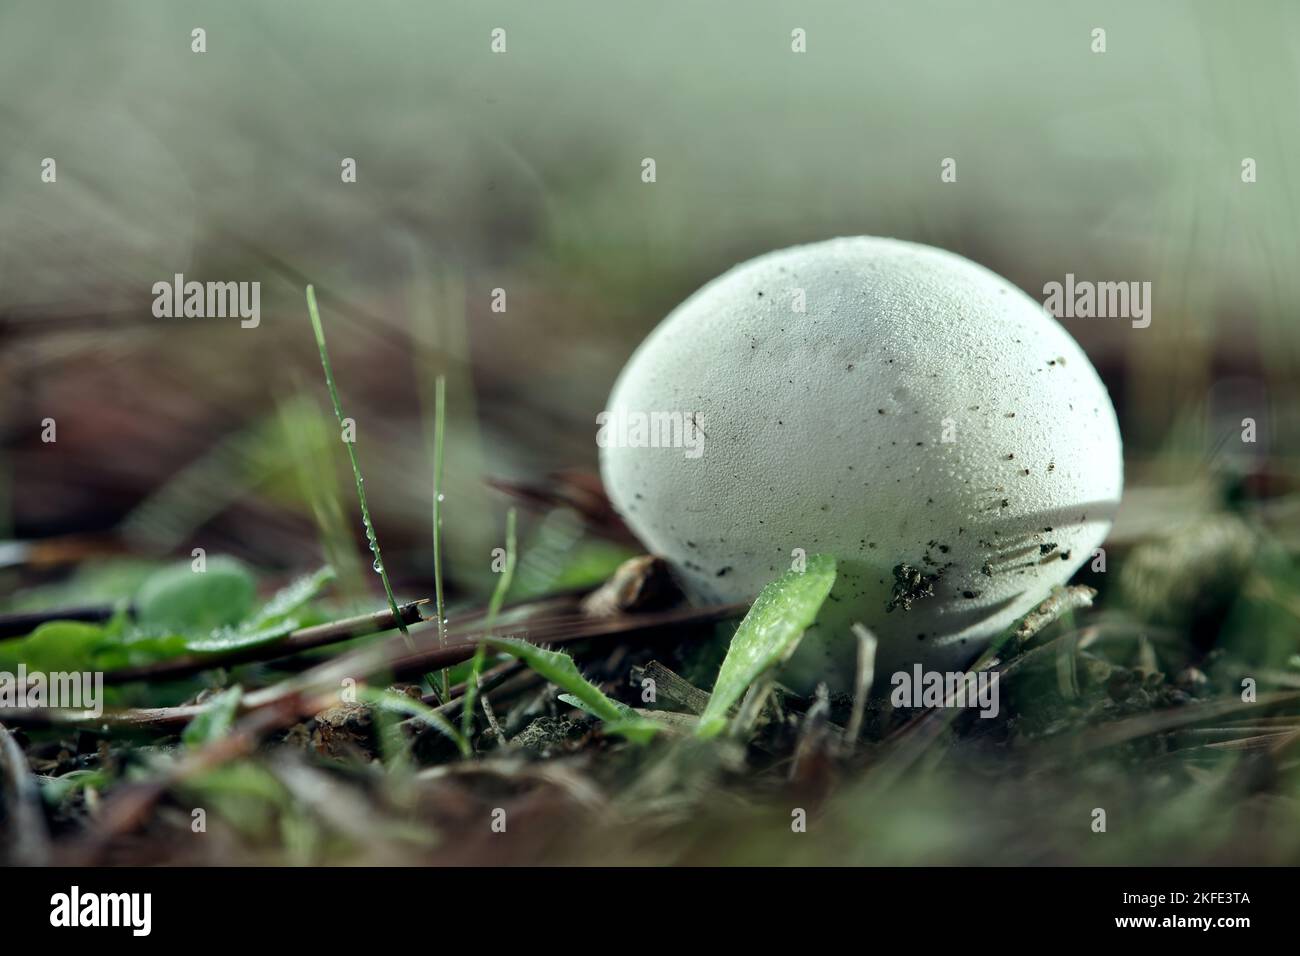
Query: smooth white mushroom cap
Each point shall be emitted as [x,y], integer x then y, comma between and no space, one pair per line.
[920,411]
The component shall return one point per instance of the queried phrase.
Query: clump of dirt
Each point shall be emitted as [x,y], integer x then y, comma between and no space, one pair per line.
[910,585]
[547,735]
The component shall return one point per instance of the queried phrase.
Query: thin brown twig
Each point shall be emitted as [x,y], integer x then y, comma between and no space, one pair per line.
[303,639]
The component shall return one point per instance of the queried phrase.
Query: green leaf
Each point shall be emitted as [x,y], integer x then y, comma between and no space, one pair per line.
[136,648]
[289,600]
[394,702]
[56,789]
[635,728]
[277,618]
[560,670]
[507,574]
[55,646]
[639,731]
[173,595]
[78,646]
[178,598]
[216,720]
[234,638]
[371,534]
[768,635]
[471,691]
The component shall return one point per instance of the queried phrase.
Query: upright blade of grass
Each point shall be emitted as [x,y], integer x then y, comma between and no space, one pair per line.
[507,573]
[305,432]
[471,691]
[439,430]
[493,609]
[371,536]
[216,719]
[768,635]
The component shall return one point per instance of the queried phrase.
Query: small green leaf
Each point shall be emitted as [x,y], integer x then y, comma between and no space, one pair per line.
[56,789]
[234,638]
[768,635]
[276,619]
[394,702]
[289,600]
[56,646]
[637,729]
[178,598]
[560,670]
[77,646]
[173,595]
[216,720]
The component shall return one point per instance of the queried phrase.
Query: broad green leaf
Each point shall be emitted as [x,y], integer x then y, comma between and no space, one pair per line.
[560,670]
[278,617]
[137,648]
[78,646]
[55,646]
[94,582]
[471,690]
[75,645]
[768,635]
[215,722]
[178,598]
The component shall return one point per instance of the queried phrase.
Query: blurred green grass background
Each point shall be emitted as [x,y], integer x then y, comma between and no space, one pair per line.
[521,171]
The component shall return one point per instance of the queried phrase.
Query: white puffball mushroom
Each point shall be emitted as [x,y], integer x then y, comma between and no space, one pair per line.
[892,404]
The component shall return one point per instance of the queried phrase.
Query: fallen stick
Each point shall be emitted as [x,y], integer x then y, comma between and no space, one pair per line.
[304,639]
